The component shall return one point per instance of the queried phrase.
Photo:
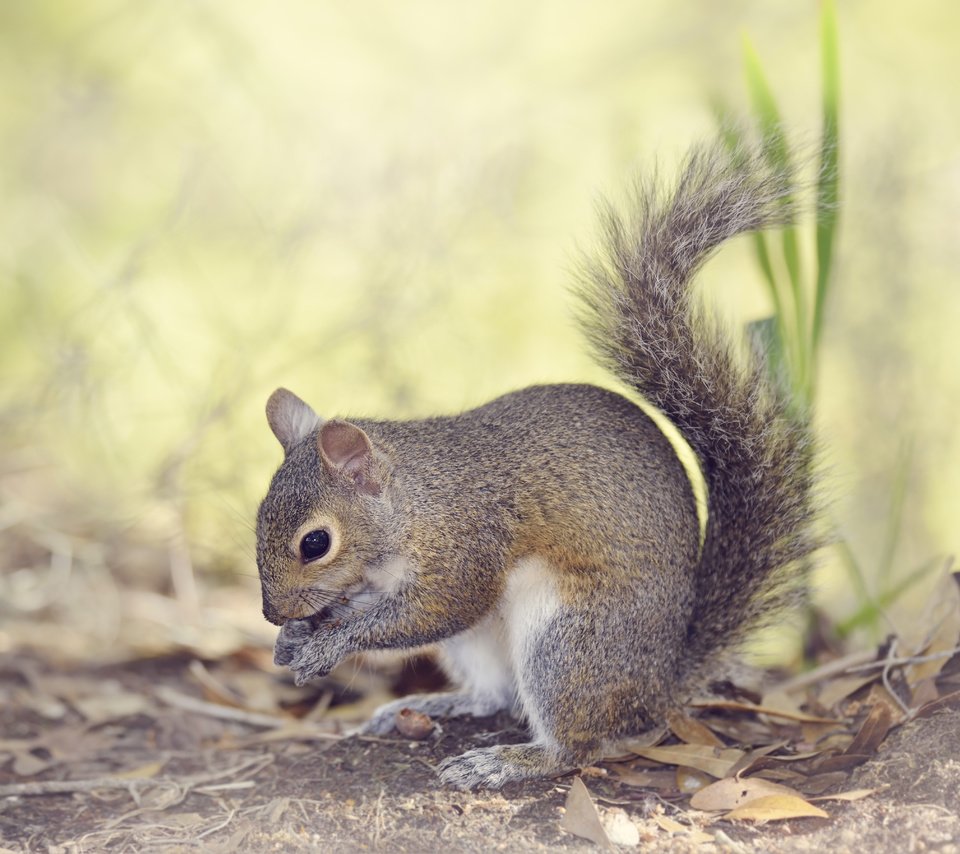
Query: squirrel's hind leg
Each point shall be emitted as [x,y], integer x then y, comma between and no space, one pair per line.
[493,767]
[447,704]
[476,661]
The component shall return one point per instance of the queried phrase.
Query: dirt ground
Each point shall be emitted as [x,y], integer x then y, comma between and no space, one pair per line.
[129,766]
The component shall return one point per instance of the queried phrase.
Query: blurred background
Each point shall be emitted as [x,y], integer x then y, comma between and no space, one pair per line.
[380,206]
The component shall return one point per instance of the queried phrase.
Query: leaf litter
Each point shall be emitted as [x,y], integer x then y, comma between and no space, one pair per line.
[143,748]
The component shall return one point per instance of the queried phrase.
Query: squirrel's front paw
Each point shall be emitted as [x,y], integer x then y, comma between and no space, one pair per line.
[317,655]
[292,637]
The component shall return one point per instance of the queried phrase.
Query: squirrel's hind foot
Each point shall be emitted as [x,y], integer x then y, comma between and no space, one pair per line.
[493,767]
[448,704]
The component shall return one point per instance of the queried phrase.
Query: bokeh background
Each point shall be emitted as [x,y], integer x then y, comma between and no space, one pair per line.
[379,205]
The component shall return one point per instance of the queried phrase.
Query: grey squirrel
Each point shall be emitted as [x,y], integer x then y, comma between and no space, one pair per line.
[548,542]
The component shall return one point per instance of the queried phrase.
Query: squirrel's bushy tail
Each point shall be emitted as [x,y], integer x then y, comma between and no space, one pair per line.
[754,449]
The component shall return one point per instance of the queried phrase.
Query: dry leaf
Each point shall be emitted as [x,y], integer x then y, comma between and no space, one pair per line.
[665,781]
[647,739]
[925,691]
[213,689]
[947,701]
[668,824]
[694,834]
[752,758]
[776,808]
[873,730]
[732,793]
[833,741]
[143,772]
[581,816]
[710,760]
[736,706]
[100,708]
[689,780]
[942,612]
[780,775]
[879,695]
[852,795]
[785,703]
[842,687]
[741,730]
[692,731]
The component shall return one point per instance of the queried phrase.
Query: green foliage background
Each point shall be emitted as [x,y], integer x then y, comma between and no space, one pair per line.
[378,205]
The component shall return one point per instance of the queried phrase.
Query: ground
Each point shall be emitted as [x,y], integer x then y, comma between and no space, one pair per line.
[145,770]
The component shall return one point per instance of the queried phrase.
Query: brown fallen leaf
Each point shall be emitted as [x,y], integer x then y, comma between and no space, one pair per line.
[142,772]
[873,730]
[750,759]
[731,793]
[692,731]
[780,775]
[925,691]
[736,706]
[582,818]
[776,808]
[646,739]
[943,613]
[710,760]
[695,834]
[786,704]
[947,701]
[690,780]
[665,781]
[837,690]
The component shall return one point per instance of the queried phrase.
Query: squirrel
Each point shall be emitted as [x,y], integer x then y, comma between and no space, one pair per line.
[548,542]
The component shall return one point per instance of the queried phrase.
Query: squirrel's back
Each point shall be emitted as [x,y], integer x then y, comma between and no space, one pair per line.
[573,473]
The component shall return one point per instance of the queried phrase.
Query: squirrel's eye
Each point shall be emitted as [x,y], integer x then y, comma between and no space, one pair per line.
[315,544]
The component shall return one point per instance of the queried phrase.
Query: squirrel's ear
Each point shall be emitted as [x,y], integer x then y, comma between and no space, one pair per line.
[346,449]
[290,418]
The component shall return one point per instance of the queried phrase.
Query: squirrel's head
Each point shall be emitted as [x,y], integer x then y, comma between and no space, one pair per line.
[322,530]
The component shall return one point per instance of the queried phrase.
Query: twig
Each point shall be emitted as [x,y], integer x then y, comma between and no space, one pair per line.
[228,713]
[831,668]
[69,787]
[131,784]
[216,827]
[899,662]
[885,676]
[220,787]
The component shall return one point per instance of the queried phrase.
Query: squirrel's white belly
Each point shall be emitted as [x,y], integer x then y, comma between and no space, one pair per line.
[484,660]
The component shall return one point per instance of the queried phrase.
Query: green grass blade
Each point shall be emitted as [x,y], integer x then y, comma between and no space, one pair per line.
[765,107]
[829,179]
[777,151]
[871,612]
[858,578]
[898,499]
[766,267]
